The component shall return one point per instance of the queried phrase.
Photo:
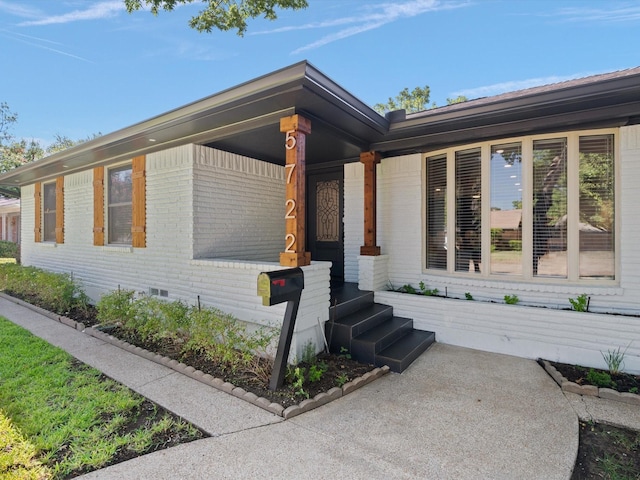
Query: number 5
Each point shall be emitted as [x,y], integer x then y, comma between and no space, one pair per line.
[290,140]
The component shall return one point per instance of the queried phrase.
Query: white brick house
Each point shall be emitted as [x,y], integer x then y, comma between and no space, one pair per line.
[394,200]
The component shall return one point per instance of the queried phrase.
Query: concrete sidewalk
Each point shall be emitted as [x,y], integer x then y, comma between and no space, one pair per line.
[455,413]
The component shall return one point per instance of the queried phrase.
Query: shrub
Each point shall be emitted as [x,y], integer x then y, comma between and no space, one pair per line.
[57,292]
[599,379]
[220,337]
[8,249]
[515,245]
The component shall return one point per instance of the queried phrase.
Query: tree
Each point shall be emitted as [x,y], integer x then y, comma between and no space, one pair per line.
[222,14]
[415,101]
[7,119]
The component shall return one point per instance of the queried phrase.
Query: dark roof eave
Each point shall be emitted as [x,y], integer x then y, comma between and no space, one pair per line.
[249,105]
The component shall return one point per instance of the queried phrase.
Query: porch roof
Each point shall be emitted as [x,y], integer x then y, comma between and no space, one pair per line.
[245,120]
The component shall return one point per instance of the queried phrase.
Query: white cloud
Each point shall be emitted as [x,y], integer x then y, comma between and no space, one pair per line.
[373,16]
[625,13]
[19,10]
[94,12]
[514,85]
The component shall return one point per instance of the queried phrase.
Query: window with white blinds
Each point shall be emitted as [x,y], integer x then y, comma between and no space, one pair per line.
[506,209]
[468,210]
[596,220]
[119,203]
[49,212]
[548,213]
[437,212]
[550,207]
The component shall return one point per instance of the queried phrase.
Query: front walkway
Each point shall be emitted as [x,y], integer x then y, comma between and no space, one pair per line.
[455,413]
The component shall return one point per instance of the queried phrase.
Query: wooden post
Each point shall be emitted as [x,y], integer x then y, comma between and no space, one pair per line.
[370,160]
[296,129]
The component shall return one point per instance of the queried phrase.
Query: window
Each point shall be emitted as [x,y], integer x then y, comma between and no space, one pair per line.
[120,194]
[119,207]
[506,209]
[49,212]
[550,208]
[596,220]
[437,212]
[468,212]
[549,211]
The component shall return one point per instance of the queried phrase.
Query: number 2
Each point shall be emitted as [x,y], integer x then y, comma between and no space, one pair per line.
[291,203]
[291,238]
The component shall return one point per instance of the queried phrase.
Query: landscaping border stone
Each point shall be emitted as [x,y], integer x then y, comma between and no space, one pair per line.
[591,390]
[217,383]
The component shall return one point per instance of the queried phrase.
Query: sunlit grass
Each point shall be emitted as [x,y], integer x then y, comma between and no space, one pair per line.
[73,417]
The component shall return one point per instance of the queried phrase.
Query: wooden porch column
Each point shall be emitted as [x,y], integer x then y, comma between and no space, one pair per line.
[370,160]
[296,129]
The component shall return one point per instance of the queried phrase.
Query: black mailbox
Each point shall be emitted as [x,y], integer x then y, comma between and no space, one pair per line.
[280,285]
[277,287]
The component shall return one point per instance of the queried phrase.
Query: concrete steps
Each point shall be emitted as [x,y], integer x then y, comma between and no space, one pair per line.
[371,333]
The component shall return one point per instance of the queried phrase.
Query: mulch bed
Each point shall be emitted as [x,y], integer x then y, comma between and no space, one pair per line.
[622,382]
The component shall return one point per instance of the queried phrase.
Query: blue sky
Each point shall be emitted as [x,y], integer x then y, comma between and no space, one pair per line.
[79,67]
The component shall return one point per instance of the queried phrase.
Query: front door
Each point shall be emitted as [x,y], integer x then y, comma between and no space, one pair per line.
[325,230]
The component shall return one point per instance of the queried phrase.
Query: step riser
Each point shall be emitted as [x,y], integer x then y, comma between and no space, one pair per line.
[342,335]
[399,363]
[352,305]
[365,350]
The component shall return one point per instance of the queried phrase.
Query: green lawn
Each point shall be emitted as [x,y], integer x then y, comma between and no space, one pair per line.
[69,416]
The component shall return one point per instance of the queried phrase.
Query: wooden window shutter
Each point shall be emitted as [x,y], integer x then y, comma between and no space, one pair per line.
[60,210]
[98,206]
[138,200]
[38,212]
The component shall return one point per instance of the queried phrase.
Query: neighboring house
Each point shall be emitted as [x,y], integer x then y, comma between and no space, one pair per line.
[292,170]
[9,219]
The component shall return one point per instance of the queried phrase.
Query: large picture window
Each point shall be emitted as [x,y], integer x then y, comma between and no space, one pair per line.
[549,211]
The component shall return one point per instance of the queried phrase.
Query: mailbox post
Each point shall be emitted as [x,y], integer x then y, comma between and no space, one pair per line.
[277,287]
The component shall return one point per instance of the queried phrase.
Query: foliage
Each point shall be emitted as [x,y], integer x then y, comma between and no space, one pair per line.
[597,190]
[423,290]
[599,379]
[73,416]
[57,292]
[511,299]
[220,337]
[15,153]
[468,296]
[222,14]
[8,249]
[18,456]
[580,304]
[515,245]
[415,101]
[615,359]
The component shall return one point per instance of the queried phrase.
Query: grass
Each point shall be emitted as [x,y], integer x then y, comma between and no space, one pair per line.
[67,416]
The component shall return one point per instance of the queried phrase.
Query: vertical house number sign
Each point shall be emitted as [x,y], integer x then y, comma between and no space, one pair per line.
[290,204]
[295,129]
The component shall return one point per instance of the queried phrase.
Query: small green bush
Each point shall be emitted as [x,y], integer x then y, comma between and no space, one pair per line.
[511,299]
[220,337]
[580,304]
[8,249]
[57,292]
[599,379]
[515,245]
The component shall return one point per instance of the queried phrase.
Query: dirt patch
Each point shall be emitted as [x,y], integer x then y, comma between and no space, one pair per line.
[607,452]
